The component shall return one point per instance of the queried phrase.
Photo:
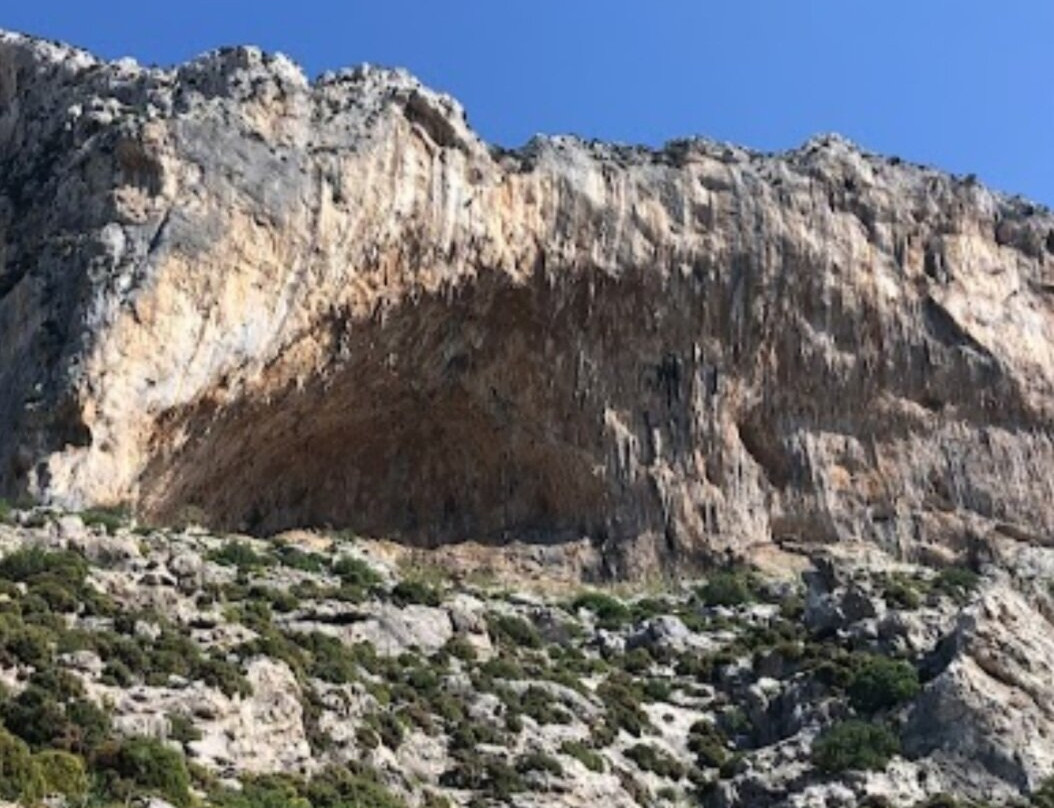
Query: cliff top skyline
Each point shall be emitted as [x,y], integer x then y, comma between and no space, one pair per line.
[958,86]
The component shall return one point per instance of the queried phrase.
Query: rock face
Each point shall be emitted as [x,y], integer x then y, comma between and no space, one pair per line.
[230,293]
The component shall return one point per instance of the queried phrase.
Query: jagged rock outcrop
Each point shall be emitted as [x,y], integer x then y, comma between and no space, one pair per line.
[230,293]
[309,655]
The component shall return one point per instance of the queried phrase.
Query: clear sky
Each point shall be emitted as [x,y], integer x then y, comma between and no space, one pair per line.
[966,85]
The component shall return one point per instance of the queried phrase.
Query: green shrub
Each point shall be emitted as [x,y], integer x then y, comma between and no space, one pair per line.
[182,729]
[223,675]
[854,745]
[238,554]
[5,512]
[356,573]
[501,667]
[329,659]
[62,773]
[388,728]
[881,683]
[621,697]
[143,766]
[513,631]
[956,582]
[417,592]
[939,801]
[31,645]
[708,743]
[583,754]
[36,716]
[694,664]
[279,600]
[537,703]
[459,647]
[293,557]
[1043,797]
[484,773]
[88,725]
[657,690]
[366,737]
[466,735]
[728,588]
[637,661]
[652,759]
[539,762]
[109,519]
[900,592]
[267,791]
[20,777]
[34,565]
[610,612]
[353,786]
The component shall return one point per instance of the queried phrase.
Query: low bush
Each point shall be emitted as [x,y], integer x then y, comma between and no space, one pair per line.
[941,801]
[356,573]
[109,519]
[136,766]
[583,754]
[460,648]
[637,662]
[622,697]
[62,773]
[405,593]
[652,759]
[956,582]
[513,631]
[485,773]
[708,744]
[34,565]
[328,658]
[854,745]
[20,777]
[900,592]
[539,704]
[881,683]
[353,786]
[610,612]
[182,729]
[268,791]
[293,557]
[1043,797]
[388,728]
[539,762]
[239,554]
[728,588]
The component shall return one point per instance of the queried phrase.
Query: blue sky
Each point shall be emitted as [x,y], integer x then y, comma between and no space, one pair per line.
[964,85]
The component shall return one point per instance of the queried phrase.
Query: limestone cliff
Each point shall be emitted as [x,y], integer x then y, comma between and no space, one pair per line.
[231,292]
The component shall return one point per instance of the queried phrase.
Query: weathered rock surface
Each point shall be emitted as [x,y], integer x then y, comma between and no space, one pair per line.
[230,293]
[254,657]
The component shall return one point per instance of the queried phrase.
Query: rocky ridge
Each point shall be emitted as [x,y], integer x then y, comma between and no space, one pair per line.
[231,294]
[345,671]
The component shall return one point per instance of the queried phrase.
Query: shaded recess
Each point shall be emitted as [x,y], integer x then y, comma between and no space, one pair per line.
[474,413]
[562,407]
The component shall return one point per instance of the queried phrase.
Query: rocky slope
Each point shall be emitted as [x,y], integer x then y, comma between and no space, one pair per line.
[231,294]
[142,664]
